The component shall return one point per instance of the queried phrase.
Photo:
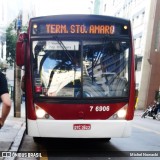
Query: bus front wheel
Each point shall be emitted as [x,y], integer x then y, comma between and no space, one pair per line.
[37,139]
[104,140]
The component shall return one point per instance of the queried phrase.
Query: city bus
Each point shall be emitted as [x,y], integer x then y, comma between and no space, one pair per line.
[79,76]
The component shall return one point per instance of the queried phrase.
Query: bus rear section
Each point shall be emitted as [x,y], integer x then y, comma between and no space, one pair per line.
[79,77]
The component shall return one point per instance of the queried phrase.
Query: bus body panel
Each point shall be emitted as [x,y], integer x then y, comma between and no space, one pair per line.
[90,111]
[132,100]
[68,114]
[64,128]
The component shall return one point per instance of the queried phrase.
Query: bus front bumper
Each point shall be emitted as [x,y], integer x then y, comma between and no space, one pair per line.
[67,129]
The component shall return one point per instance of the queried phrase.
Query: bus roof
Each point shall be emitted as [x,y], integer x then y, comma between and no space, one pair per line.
[79,17]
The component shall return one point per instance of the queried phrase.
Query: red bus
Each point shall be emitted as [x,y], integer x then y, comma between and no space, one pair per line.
[79,76]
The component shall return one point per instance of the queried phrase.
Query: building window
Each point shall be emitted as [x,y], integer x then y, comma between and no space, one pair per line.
[132,22]
[113,2]
[138,63]
[105,6]
[137,42]
[142,19]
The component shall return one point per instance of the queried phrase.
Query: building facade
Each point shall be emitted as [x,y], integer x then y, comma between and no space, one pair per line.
[2,31]
[146,32]
[9,11]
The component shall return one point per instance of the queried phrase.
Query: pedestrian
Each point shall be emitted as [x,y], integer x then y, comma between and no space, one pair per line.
[4,99]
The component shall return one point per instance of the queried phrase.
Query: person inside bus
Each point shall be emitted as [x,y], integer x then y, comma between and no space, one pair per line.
[4,98]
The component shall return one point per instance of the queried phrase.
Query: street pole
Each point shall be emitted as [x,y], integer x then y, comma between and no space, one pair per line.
[17,91]
[17,78]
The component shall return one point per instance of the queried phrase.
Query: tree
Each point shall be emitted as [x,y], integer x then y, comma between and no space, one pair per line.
[3,63]
[11,38]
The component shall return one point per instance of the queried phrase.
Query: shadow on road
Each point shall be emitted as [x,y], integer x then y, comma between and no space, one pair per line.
[80,148]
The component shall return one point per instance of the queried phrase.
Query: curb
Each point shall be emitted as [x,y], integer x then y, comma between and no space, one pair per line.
[15,145]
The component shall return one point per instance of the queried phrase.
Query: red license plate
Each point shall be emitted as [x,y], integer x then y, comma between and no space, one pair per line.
[81,126]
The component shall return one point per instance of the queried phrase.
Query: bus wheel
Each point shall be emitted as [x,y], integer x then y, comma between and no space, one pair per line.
[104,140]
[37,139]
[108,139]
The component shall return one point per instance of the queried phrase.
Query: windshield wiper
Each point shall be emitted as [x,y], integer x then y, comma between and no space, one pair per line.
[65,50]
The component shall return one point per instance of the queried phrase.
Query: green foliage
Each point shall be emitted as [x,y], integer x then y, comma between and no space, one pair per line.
[11,39]
[24,29]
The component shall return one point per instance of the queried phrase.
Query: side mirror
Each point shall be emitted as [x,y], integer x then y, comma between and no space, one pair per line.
[21,49]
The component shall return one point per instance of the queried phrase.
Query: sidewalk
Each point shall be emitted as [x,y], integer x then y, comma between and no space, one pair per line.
[12,132]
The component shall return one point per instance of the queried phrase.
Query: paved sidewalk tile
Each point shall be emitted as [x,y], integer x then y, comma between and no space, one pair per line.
[12,132]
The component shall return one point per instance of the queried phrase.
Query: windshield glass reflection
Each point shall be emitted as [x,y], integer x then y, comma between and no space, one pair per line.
[81,70]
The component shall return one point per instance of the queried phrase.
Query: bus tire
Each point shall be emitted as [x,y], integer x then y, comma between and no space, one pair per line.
[104,140]
[37,139]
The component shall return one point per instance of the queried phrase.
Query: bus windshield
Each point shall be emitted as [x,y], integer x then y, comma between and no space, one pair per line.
[81,69]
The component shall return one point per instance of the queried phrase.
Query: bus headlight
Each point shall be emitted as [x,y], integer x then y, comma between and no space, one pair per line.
[122,113]
[40,113]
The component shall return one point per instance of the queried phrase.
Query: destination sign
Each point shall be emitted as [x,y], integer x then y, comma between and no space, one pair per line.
[79,29]
[49,28]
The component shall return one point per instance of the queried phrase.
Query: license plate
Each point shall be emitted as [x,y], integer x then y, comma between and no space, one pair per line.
[81,126]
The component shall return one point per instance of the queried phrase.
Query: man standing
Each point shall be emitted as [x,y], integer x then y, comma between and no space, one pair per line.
[4,98]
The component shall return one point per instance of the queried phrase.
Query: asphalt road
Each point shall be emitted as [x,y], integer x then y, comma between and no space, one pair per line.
[145,140]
